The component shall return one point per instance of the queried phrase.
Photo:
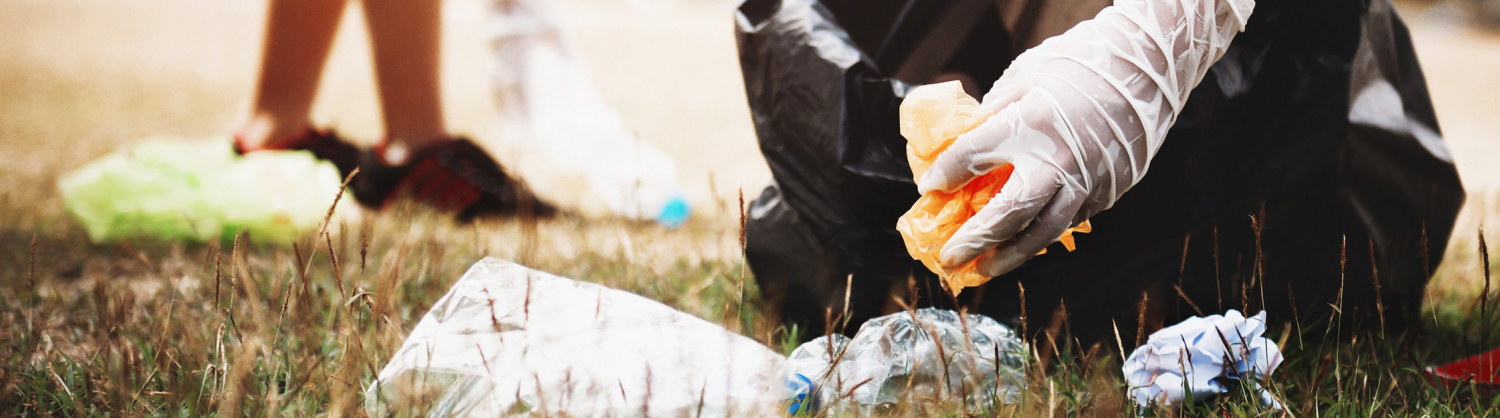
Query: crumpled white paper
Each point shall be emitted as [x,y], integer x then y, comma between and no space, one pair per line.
[1203,355]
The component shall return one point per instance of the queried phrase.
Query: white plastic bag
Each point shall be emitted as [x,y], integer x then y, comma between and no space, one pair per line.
[507,340]
[552,113]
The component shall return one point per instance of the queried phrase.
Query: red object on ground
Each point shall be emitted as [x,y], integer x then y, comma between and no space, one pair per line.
[1481,369]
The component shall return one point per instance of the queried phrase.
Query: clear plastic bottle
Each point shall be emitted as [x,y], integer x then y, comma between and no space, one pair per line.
[929,353]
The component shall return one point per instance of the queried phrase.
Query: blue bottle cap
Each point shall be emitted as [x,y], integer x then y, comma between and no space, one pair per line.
[675,213]
[801,399]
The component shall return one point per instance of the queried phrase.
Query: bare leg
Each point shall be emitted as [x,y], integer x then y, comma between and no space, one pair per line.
[298,35]
[405,36]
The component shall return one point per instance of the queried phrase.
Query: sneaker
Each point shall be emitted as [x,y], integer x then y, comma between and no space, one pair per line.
[455,176]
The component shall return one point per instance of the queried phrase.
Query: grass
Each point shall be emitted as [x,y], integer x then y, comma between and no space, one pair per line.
[191,329]
[231,328]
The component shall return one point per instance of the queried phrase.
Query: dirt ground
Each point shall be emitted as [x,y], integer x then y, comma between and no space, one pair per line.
[80,78]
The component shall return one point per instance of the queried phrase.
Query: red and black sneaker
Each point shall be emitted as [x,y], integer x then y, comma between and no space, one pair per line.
[455,176]
[323,143]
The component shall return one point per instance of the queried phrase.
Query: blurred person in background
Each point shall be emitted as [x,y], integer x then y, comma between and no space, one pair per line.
[1297,166]
[417,157]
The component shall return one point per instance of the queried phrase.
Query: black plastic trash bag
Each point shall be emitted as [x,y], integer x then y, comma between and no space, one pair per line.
[1314,135]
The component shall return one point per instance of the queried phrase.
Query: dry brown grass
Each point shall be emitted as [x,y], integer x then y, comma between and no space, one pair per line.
[240,328]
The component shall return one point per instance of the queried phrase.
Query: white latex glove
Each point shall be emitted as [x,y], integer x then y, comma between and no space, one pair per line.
[1080,117]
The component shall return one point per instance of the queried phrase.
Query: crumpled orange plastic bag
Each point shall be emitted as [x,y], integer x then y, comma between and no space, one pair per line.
[932,117]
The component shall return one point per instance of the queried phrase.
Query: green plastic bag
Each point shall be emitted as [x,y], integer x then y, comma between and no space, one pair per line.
[175,189]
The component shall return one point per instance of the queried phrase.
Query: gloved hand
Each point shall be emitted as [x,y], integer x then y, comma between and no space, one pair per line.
[1079,117]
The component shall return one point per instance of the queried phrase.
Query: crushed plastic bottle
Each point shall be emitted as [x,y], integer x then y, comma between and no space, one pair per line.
[551,111]
[902,356]
[507,340]
[932,117]
[174,189]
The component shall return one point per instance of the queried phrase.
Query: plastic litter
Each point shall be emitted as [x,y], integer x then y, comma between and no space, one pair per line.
[551,111]
[932,117]
[175,189]
[507,340]
[1481,372]
[1196,355]
[932,353]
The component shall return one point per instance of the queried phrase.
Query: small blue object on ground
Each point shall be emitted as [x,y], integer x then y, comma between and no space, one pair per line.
[800,390]
[675,213]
